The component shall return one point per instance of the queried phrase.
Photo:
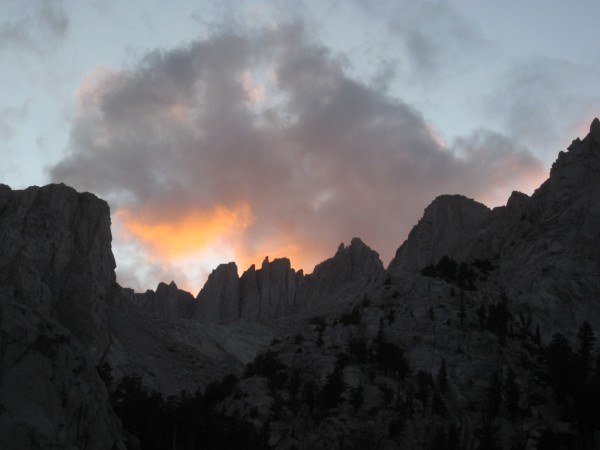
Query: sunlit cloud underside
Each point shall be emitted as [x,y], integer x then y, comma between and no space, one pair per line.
[246,145]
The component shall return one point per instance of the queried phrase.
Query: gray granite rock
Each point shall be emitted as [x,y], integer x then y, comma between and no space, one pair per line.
[55,256]
[50,394]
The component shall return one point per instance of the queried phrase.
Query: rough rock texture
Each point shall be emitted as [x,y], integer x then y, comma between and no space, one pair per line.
[176,354]
[168,302]
[60,308]
[55,256]
[219,299]
[50,394]
[350,273]
[56,275]
[446,224]
[274,290]
[546,245]
[553,260]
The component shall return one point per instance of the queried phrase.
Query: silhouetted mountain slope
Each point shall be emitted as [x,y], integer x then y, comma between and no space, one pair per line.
[56,278]
[480,335]
[546,246]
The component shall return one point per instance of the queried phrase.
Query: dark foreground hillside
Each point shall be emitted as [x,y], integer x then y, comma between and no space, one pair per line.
[481,334]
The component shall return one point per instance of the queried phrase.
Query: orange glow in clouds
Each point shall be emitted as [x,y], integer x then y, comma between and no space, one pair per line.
[188,246]
[176,237]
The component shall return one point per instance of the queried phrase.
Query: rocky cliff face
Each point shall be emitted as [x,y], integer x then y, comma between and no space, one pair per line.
[167,302]
[219,299]
[546,245]
[56,276]
[353,270]
[274,290]
[50,393]
[446,226]
[56,257]
[552,259]
[361,353]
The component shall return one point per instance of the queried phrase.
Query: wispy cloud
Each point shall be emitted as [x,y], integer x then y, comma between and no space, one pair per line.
[10,118]
[32,25]
[434,41]
[542,101]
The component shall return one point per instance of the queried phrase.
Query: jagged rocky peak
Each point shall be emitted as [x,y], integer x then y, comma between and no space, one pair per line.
[554,256]
[446,224]
[575,172]
[55,256]
[517,200]
[220,297]
[594,133]
[167,302]
[545,246]
[349,263]
[352,271]
[274,290]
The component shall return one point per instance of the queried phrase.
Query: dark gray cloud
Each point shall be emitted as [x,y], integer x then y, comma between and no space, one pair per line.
[273,119]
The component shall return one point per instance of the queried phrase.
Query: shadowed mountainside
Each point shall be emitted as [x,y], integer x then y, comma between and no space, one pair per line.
[461,343]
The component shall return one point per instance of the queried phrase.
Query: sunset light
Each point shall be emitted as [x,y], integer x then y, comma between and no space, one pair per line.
[266,129]
[195,230]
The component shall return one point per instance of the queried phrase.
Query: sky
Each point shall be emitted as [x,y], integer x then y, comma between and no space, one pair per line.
[235,130]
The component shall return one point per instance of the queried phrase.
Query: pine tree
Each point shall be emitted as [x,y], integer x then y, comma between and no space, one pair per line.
[437,405]
[442,378]
[422,393]
[332,391]
[494,396]
[462,314]
[439,441]
[537,337]
[558,358]
[512,395]
[453,440]
[481,314]
[356,397]
[487,436]
[586,339]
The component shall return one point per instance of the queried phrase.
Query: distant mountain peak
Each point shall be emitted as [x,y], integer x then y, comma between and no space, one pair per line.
[595,130]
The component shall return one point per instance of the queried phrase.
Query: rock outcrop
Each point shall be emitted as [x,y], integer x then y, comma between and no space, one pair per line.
[274,290]
[535,265]
[551,259]
[447,224]
[56,257]
[50,393]
[56,277]
[219,299]
[350,273]
[167,302]
[546,245]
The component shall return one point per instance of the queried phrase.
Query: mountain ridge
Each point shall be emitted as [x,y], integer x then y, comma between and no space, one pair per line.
[477,288]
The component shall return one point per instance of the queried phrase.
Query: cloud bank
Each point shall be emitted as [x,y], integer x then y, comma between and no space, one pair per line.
[260,143]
